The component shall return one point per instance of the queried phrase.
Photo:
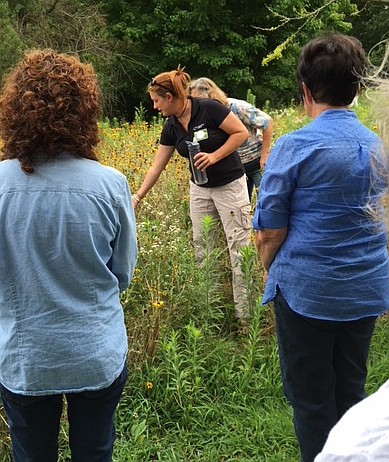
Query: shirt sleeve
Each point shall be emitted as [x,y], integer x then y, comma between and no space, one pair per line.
[277,185]
[217,112]
[167,138]
[361,435]
[125,250]
[252,117]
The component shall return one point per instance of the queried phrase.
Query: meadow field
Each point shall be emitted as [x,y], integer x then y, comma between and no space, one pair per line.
[196,390]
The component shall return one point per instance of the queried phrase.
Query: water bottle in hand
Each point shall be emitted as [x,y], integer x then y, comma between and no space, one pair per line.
[200,177]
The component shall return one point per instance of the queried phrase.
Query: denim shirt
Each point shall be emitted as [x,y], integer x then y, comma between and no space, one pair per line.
[317,183]
[67,249]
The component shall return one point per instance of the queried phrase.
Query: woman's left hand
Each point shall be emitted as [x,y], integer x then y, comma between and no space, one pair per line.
[263,159]
[203,160]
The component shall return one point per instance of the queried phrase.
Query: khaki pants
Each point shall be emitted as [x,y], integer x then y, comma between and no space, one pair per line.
[229,204]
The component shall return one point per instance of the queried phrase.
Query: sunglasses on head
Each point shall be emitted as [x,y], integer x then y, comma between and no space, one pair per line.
[154,83]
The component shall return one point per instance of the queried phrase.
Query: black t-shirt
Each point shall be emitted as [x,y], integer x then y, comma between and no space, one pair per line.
[206,117]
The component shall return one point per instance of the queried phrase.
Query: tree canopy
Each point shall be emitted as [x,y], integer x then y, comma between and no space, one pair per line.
[238,43]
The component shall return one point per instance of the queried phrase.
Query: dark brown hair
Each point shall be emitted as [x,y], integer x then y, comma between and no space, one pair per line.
[49,102]
[332,67]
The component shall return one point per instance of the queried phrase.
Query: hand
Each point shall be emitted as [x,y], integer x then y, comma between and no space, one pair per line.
[135,200]
[263,159]
[203,160]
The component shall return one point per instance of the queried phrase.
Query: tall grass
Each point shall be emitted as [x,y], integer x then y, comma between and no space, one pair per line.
[196,391]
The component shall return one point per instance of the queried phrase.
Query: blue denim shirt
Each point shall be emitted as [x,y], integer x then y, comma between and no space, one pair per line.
[67,249]
[318,180]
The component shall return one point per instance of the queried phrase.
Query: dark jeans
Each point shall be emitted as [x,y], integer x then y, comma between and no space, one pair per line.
[323,368]
[253,179]
[34,423]
[253,175]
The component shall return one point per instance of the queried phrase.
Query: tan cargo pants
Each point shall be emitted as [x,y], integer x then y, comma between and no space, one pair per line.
[229,204]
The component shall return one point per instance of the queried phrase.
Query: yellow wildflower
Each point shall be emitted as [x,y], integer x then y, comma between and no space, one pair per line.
[158,304]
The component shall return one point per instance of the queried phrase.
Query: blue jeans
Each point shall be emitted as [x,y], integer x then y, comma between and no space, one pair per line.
[34,423]
[253,179]
[323,369]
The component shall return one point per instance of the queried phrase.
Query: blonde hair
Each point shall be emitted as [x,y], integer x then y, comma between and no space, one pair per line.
[174,82]
[207,88]
[379,100]
[381,110]
[380,97]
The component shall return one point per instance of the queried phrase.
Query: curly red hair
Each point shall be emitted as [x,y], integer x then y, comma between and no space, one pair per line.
[49,102]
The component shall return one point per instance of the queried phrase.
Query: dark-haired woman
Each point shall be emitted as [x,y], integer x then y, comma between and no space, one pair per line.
[219,133]
[325,254]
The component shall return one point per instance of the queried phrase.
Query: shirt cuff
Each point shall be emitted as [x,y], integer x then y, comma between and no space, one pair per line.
[269,220]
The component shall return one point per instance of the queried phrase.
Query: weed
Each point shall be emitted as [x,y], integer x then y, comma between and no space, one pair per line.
[195,391]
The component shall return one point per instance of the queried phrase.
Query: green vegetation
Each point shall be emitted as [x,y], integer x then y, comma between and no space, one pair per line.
[197,391]
[241,45]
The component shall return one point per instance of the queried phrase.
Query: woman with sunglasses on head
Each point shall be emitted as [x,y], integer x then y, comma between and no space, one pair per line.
[255,151]
[219,133]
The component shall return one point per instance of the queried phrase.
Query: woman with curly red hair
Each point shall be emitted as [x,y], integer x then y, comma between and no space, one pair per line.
[67,249]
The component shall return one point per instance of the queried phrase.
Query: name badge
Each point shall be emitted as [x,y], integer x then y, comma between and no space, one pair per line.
[200,135]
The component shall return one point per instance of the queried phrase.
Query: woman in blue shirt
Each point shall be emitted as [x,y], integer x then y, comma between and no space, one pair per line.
[326,257]
[67,249]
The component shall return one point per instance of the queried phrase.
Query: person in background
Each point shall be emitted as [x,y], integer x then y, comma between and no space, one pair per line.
[224,196]
[67,249]
[325,255]
[362,434]
[255,151]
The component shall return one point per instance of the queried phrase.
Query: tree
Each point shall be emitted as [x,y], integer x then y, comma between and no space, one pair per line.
[371,26]
[67,26]
[197,34]
[239,44]
[10,44]
[291,24]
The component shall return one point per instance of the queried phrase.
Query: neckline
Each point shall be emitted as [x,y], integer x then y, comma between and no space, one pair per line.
[182,113]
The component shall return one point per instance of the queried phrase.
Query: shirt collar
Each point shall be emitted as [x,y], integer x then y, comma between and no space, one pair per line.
[194,109]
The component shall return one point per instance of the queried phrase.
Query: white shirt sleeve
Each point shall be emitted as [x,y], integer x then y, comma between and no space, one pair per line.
[362,434]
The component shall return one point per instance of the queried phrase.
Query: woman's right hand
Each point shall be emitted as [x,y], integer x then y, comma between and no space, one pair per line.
[135,200]
[161,159]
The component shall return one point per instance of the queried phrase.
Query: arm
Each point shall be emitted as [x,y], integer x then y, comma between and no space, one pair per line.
[124,253]
[237,135]
[268,242]
[161,159]
[266,143]
[255,120]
